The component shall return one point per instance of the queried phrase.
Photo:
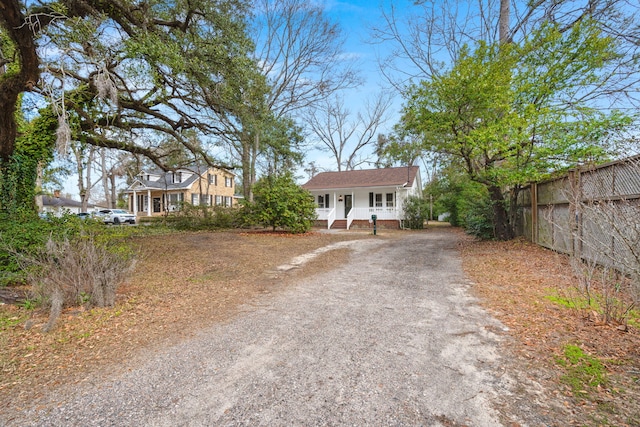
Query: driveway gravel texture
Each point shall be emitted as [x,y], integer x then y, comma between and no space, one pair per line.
[391,337]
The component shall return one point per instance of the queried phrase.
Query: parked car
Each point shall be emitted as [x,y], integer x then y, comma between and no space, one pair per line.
[84,215]
[116,216]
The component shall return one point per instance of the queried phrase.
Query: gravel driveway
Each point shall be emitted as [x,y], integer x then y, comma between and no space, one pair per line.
[391,337]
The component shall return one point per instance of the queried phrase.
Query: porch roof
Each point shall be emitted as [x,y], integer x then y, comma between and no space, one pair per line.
[363,178]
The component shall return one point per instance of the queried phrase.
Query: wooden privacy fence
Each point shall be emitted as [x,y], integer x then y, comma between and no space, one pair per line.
[593,213]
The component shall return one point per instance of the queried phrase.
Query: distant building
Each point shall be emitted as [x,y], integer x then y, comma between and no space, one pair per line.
[155,193]
[58,206]
[351,198]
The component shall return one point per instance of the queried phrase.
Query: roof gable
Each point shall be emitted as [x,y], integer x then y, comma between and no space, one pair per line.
[386,177]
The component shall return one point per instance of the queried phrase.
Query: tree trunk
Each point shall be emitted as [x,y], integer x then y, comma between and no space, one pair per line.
[513,208]
[246,171]
[114,197]
[500,215]
[38,198]
[11,87]
[82,191]
[503,25]
[254,155]
[88,184]
[105,176]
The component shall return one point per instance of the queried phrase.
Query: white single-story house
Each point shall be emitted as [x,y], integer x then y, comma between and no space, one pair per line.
[350,198]
[58,206]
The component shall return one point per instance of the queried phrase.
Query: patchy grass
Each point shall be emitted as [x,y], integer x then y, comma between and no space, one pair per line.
[572,303]
[583,371]
[529,289]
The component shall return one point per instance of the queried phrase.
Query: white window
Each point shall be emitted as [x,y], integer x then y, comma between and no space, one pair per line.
[213,179]
[174,201]
[228,181]
[228,200]
[389,200]
[218,200]
[378,200]
[176,177]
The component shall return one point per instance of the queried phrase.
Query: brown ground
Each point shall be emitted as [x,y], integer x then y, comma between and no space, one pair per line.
[184,282]
[513,280]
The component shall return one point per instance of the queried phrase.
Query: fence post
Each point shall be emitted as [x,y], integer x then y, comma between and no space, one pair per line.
[534,212]
[575,220]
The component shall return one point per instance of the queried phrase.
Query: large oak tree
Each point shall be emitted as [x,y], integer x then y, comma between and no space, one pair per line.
[127,75]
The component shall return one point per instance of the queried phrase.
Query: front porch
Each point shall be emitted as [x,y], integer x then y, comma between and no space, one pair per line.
[386,217]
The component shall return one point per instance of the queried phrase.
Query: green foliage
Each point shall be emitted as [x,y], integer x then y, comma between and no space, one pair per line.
[478,220]
[280,203]
[10,320]
[466,201]
[26,235]
[583,371]
[34,148]
[8,49]
[416,212]
[20,234]
[193,218]
[28,304]
[573,303]
[509,114]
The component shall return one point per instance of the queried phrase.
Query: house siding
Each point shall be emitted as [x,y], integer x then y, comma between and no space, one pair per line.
[385,200]
[214,186]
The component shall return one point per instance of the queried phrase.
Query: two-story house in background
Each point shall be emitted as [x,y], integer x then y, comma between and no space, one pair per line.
[154,192]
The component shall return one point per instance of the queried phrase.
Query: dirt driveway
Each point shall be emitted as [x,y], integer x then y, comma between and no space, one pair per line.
[391,337]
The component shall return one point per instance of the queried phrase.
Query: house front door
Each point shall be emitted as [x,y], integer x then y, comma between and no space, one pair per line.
[348,204]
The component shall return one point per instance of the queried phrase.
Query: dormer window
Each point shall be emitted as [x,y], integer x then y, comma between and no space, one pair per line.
[177,177]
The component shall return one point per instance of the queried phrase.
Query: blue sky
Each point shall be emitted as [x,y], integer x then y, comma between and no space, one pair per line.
[356,18]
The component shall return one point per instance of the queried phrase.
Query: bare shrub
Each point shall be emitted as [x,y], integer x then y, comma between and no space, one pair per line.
[76,272]
[603,293]
[602,226]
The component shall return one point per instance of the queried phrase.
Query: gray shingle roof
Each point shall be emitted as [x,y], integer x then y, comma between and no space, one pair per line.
[61,202]
[165,182]
[363,178]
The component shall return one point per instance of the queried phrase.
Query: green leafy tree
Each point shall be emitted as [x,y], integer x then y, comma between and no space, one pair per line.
[128,75]
[281,203]
[510,114]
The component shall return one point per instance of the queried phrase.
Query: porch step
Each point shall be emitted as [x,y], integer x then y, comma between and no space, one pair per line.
[339,224]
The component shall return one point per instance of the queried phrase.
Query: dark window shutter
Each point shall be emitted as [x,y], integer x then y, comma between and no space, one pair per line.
[326,201]
[370,200]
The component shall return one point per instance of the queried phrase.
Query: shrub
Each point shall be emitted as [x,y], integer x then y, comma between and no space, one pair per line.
[77,270]
[204,218]
[23,234]
[478,219]
[416,211]
[280,202]
[66,260]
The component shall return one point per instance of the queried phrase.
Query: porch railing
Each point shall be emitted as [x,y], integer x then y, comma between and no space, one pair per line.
[380,212]
[331,217]
[358,214]
[350,217]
